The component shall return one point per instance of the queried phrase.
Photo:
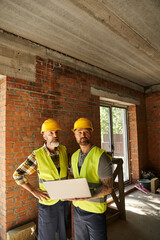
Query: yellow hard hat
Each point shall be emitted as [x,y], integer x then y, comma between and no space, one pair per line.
[82,123]
[50,125]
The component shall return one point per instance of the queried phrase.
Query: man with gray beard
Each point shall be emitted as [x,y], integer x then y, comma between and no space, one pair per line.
[51,163]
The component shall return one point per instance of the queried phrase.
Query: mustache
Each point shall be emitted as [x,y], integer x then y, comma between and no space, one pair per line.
[56,139]
[84,138]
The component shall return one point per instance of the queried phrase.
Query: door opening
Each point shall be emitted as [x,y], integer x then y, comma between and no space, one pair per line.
[114,134]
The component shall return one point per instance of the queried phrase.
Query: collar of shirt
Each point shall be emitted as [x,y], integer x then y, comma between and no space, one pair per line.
[82,156]
[85,154]
[56,153]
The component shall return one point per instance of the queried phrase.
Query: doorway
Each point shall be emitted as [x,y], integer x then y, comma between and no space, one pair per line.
[114,134]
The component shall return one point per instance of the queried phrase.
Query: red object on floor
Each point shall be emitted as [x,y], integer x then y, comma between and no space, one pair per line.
[142,189]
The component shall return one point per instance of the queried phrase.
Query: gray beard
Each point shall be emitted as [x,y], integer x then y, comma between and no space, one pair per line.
[54,144]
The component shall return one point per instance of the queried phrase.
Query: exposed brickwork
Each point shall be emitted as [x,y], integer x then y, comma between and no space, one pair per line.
[142,134]
[133,143]
[153,125]
[62,93]
[22,136]
[2,159]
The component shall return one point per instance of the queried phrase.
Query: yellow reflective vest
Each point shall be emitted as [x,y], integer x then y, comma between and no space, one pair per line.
[89,170]
[48,171]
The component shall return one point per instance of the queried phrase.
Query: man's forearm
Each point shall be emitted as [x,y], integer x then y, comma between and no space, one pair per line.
[104,189]
[28,187]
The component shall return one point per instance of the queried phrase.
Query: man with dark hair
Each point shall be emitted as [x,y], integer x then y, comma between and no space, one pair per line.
[94,164]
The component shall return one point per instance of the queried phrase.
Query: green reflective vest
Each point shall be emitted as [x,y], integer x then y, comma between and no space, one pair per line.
[89,170]
[48,171]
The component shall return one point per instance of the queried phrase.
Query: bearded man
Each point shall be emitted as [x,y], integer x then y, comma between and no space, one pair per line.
[94,164]
[51,163]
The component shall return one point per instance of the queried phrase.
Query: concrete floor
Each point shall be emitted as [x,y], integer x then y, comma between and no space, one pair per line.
[142,218]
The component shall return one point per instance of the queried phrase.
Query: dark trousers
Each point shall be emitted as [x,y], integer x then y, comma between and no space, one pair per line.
[89,226]
[52,219]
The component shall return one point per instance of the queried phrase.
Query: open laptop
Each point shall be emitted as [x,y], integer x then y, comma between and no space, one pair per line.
[66,189]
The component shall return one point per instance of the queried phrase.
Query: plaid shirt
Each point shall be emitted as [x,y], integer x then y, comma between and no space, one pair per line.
[29,166]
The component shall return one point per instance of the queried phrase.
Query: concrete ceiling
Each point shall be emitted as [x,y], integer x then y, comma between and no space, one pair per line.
[119,36]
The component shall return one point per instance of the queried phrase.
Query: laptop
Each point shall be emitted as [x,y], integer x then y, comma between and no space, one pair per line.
[66,189]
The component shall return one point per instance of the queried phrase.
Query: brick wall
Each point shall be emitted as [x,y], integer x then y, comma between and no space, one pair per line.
[133,143]
[21,137]
[2,159]
[62,93]
[153,126]
[138,151]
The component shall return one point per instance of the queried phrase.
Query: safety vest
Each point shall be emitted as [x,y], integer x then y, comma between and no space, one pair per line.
[48,171]
[89,170]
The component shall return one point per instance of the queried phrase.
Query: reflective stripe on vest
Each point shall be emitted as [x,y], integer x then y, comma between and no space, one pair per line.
[48,171]
[89,170]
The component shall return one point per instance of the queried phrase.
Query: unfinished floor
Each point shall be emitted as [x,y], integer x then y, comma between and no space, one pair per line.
[142,218]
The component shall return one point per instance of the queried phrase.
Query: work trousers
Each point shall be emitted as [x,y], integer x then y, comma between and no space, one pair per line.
[52,219]
[89,226]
